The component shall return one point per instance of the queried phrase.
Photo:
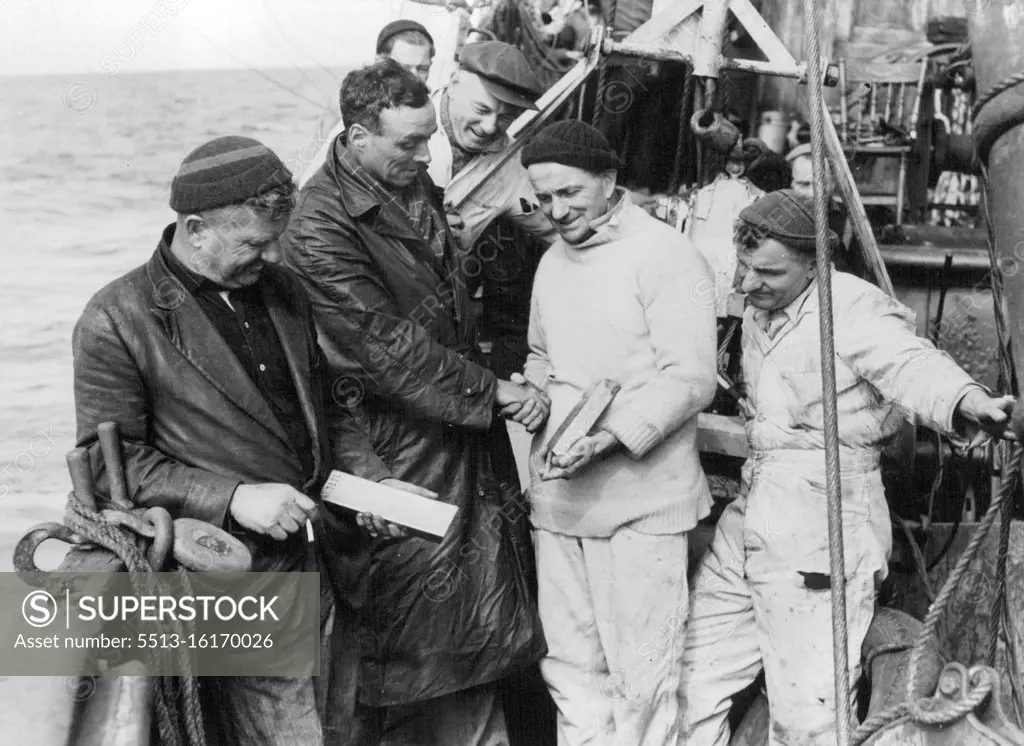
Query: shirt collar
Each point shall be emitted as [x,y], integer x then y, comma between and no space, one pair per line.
[606,227]
[790,312]
[361,192]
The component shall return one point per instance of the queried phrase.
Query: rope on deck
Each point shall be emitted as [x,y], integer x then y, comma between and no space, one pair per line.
[174,720]
[915,708]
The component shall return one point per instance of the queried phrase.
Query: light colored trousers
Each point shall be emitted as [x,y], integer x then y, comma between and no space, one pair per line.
[614,614]
[761,597]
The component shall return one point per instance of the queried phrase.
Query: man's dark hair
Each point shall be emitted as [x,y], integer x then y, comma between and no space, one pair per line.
[366,92]
[412,37]
[272,204]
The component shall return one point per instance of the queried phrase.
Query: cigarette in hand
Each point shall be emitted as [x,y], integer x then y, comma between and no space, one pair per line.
[309,531]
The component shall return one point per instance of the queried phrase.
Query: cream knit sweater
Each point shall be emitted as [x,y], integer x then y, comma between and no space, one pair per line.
[629,304]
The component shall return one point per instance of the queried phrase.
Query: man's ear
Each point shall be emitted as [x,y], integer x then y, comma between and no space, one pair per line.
[196,227]
[356,136]
[611,178]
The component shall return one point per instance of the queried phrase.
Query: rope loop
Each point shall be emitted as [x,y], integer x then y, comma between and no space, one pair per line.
[177,701]
[1005,84]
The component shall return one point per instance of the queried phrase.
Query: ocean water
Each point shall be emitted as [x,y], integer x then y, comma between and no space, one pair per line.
[85,169]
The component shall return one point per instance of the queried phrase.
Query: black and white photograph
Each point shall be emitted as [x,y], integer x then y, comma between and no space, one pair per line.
[512,373]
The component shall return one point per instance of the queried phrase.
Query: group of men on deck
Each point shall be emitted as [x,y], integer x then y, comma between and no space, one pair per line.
[276,335]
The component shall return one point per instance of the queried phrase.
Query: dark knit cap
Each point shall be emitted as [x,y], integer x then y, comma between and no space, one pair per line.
[786,216]
[397,27]
[226,171]
[571,143]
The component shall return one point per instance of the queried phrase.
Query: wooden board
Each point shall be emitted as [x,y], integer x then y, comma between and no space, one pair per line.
[724,435]
[582,418]
[420,516]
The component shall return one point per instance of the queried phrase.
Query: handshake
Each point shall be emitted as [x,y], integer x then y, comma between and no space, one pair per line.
[523,402]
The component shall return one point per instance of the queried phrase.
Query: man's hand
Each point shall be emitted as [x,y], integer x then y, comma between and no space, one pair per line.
[376,526]
[991,414]
[584,451]
[523,402]
[455,223]
[273,509]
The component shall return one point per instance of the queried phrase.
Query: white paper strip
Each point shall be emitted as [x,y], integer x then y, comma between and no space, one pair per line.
[421,516]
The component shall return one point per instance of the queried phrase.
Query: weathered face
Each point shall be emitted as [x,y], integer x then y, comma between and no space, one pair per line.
[571,198]
[773,275]
[232,246]
[478,118]
[397,153]
[415,58]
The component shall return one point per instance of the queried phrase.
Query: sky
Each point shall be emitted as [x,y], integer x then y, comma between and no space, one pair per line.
[77,36]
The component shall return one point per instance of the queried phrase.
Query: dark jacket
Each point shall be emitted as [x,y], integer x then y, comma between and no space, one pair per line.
[394,325]
[195,426]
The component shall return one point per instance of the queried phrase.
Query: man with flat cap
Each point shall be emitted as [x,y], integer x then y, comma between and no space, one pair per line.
[206,357]
[406,42]
[761,597]
[492,87]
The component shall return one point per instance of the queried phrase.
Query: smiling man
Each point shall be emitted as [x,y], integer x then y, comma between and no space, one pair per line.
[406,42]
[492,87]
[761,598]
[613,299]
[442,624]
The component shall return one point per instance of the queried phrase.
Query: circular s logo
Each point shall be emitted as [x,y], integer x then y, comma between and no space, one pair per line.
[39,608]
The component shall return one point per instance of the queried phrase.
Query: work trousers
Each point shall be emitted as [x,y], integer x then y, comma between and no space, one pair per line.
[471,717]
[614,614]
[762,599]
[264,711]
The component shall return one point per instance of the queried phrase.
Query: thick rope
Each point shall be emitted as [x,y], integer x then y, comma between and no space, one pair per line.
[999,607]
[1003,85]
[171,721]
[913,708]
[879,720]
[1008,484]
[840,635]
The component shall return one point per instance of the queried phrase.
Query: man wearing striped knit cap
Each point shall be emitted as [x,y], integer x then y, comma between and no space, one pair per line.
[615,298]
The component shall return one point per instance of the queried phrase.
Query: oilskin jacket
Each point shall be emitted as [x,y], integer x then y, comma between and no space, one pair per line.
[194,425]
[394,324]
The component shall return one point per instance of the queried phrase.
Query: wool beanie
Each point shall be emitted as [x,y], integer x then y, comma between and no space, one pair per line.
[788,217]
[226,171]
[571,143]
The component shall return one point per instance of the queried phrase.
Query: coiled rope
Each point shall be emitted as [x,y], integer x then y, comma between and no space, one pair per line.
[173,720]
[917,708]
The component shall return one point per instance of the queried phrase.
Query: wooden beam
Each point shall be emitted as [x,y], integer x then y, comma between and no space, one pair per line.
[854,205]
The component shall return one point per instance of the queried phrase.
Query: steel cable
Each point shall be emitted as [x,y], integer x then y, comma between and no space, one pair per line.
[837,567]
